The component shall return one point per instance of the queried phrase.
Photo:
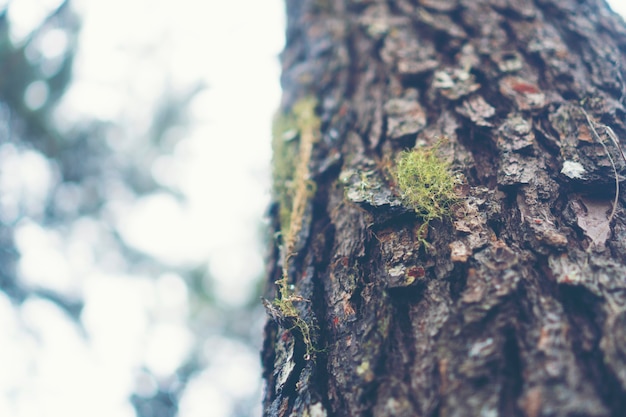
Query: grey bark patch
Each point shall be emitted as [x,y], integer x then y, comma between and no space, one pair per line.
[404,117]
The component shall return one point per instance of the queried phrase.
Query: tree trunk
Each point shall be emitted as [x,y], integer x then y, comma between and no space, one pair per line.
[514,303]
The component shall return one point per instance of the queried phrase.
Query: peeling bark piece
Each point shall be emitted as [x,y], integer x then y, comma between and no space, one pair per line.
[454,83]
[477,110]
[459,252]
[516,169]
[526,94]
[404,117]
[367,188]
[537,216]
[515,134]
[593,217]
[472,219]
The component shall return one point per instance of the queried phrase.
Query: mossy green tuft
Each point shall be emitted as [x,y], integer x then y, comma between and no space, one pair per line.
[426,184]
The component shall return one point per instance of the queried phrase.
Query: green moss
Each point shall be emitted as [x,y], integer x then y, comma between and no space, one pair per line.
[285,152]
[291,315]
[293,188]
[286,129]
[426,184]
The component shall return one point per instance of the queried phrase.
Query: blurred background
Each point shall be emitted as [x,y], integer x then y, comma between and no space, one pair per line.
[134,178]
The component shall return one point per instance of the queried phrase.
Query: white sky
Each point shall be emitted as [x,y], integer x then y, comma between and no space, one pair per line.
[222,166]
[129,49]
[618,6]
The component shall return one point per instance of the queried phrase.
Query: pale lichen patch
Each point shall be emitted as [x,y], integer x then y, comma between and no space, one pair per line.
[459,252]
[573,170]
[317,410]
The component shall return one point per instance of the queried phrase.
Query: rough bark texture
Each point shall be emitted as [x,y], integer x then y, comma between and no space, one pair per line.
[517,307]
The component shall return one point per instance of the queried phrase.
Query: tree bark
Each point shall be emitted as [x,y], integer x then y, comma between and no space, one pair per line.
[516,306]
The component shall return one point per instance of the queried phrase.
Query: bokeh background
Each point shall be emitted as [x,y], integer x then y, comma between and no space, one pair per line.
[134,178]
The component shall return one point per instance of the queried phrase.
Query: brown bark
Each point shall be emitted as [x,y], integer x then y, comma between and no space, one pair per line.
[518,305]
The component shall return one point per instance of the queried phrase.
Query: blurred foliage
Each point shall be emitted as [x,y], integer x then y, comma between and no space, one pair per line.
[26,128]
[86,173]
